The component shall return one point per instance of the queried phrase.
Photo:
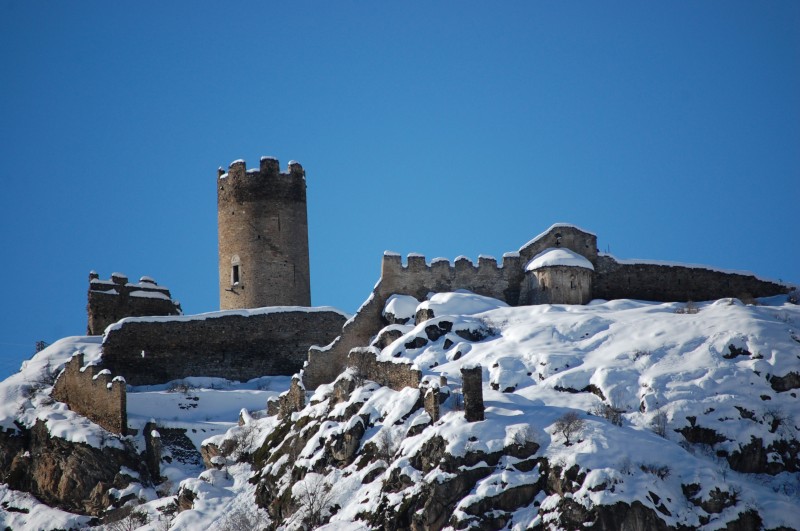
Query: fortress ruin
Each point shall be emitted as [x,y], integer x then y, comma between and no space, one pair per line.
[266,326]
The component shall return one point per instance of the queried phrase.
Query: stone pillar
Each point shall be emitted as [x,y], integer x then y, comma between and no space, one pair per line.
[431,403]
[472,388]
[152,442]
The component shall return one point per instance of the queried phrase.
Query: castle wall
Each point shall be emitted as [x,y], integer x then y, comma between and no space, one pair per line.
[263,234]
[234,345]
[93,393]
[111,300]
[668,283]
[417,278]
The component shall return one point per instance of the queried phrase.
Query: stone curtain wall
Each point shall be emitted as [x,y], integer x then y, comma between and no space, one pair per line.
[263,221]
[93,394]
[674,283]
[111,300]
[416,279]
[392,375]
[611,280]
[233,345]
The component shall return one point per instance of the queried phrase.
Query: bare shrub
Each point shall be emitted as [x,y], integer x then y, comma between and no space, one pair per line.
[386,445]
[609,412]
[240,519]
[660,471]
[130,520]
[778,421]
[659,424]
[314,496]
[569,425]
[523,436]
[244,440]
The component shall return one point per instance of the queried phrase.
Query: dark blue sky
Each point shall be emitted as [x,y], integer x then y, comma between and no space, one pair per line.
[672,130]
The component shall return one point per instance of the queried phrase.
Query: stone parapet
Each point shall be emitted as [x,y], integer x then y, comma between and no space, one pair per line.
[92,392]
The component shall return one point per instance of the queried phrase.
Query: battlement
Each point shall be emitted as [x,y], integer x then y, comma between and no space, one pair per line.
[392,265]
[110,300]
[268,167]
[419,277]
[263,235]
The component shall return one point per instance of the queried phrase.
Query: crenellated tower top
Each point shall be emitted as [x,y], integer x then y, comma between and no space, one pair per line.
[263,235]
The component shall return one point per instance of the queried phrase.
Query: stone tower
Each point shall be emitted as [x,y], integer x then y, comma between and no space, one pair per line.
[263,236]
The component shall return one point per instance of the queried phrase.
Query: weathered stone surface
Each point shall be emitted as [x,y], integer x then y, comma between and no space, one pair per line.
[225,344]
[66,475]
[111,300]
[789,381]
[393,375]
[263,233]
[472,387]
[93,394]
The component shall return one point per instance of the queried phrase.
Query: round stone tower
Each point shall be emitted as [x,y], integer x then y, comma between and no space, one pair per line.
[263,236]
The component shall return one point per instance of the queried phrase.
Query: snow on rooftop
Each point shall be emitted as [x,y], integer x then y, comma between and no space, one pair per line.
[558,257]
[214,315]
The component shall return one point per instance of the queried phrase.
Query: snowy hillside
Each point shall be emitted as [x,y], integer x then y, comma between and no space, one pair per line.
[617,413]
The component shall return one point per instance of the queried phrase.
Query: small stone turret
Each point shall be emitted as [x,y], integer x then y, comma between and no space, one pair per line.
[263,236]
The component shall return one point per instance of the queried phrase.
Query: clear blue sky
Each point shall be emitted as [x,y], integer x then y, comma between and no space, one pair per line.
[672,130]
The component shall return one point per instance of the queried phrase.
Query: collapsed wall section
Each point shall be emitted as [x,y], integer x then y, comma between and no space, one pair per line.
[114,299]
[237,344]
[93,393]
[674,283]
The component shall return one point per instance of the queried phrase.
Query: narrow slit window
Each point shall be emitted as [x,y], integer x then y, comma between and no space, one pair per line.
[235,275]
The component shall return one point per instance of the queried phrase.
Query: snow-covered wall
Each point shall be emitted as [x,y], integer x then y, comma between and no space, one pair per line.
[674,282]
[610,279]
[237,345]
[94,393]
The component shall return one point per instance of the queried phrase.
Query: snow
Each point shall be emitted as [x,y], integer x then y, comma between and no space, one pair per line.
[214,315]
[642,357]
[401,306]
[461,302]
[558,257]
[150,294]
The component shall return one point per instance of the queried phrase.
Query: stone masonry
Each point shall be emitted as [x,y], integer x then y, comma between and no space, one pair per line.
[393,375]
[472,387]
[611,279]
[237,345]
[111,300]
[93,393]
[263,236]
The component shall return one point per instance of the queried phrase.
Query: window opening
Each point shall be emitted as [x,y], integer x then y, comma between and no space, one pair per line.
[235,275]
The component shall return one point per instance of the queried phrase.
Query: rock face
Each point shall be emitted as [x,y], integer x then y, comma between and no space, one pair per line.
[71,476]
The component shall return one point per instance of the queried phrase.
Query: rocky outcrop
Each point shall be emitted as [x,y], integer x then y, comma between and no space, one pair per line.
[74,477]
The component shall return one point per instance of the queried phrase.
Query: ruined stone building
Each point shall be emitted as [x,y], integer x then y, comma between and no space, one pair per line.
[266,327]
